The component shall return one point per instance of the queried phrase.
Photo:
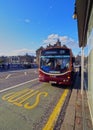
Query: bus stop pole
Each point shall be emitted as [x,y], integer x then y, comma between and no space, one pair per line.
[82,69]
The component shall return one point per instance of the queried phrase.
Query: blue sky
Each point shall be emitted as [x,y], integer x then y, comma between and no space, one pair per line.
[25,25]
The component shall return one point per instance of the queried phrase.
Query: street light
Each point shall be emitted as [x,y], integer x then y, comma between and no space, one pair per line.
[75,13]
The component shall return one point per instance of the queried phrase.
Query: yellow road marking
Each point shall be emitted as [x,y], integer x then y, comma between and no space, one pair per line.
[20,98]
[20,103]
[53,117]
[13,95]
[28,106]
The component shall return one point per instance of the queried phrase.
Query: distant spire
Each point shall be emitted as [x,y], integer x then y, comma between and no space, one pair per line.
[58,43]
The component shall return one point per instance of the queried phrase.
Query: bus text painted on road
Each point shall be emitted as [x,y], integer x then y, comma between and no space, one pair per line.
[21,98]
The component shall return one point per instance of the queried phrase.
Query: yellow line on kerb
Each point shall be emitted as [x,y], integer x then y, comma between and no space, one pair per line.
[54,116]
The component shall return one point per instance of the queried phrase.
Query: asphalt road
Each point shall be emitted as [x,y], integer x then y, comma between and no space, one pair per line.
[26,103]
[11,78]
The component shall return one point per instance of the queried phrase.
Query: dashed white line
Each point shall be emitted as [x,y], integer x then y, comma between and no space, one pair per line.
[25,73]
[8,76]
[35,71]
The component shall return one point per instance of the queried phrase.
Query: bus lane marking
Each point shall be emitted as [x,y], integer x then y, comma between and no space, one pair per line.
[54,116]
[28,106]
[20,98]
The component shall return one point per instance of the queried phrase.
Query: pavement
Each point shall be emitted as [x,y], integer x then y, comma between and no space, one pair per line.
[77,115]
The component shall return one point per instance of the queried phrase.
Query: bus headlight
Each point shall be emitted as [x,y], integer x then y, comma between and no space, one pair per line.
[68,77]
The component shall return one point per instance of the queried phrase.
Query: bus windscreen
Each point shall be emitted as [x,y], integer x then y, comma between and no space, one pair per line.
[55,61]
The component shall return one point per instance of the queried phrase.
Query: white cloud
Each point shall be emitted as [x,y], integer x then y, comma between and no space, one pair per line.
[1,54]
[65,40]
[19,52]
[51,39]
[27,20]
[23,52]
[53,36]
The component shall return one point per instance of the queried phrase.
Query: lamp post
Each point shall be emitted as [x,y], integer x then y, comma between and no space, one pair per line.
[75,12]
[82,69]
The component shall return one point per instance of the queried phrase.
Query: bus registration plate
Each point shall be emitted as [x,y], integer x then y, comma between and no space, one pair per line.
[52,82]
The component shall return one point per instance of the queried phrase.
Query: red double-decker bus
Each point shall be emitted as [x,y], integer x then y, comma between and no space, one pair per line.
[56,65]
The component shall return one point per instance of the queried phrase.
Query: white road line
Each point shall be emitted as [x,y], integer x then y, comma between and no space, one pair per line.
[17,85]
[8,76]
[35,71]
[25,73]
